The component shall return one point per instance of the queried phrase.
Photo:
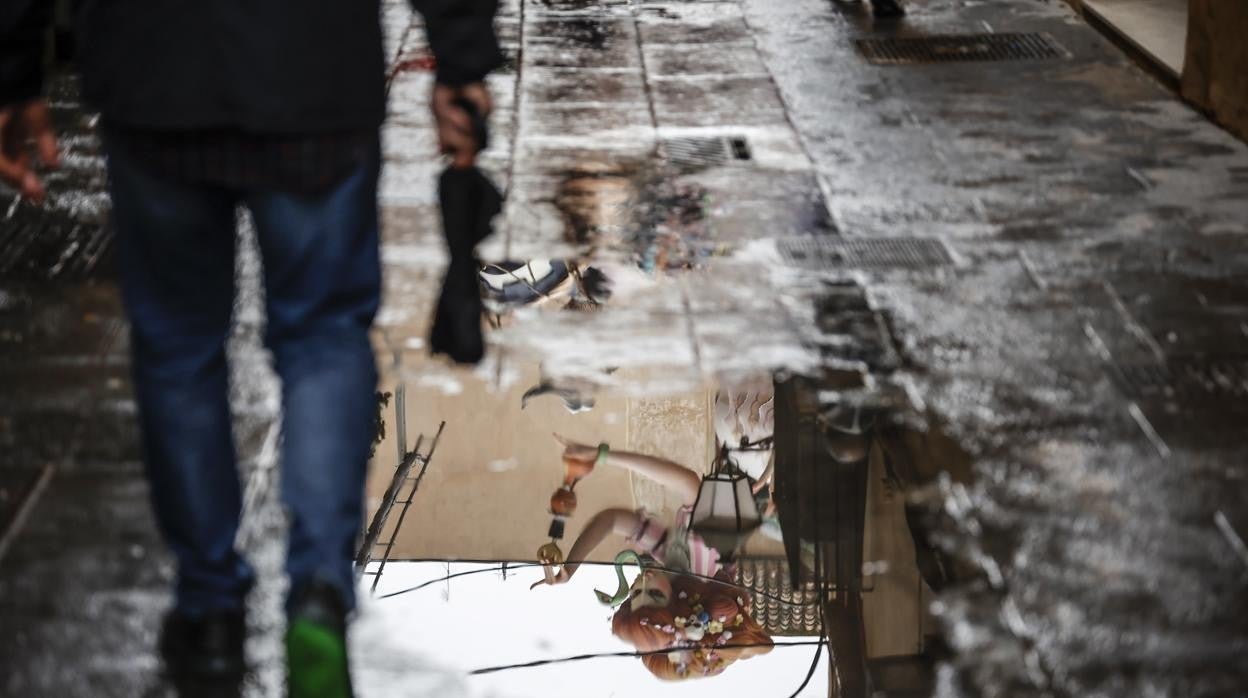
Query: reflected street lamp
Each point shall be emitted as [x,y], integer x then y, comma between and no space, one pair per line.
[725,513]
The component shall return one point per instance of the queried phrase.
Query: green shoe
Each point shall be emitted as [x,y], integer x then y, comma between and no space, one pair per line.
[316,646]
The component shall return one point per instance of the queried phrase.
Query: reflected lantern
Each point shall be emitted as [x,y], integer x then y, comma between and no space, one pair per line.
[725,513]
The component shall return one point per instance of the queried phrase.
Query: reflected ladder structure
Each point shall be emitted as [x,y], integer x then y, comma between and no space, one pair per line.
[401,492]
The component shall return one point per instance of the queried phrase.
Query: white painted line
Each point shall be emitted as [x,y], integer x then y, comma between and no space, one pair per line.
[1032,272]
[1134,327]
[1147,427]
[259,484]
[1098,344]
[1139,178]
[956,260]
[23,511]
[1232,537]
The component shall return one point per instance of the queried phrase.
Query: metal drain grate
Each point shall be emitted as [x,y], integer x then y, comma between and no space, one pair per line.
[1221,378]
[878,253]
[699,151]
[960,47]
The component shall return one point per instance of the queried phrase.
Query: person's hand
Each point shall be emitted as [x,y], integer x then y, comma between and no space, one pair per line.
[21,126]
[761,484]
[455,132]
[578,452]
[562,577]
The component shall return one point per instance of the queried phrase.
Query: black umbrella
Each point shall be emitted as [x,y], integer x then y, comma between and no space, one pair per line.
[469,203]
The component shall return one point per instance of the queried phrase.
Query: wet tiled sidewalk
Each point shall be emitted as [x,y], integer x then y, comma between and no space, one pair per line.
[1041,261]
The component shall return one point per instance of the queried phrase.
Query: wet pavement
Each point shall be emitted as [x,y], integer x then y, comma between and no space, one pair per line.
[988,319]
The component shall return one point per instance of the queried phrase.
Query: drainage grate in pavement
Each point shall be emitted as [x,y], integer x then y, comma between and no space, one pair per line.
[959,47]
[875,253]
[1191,378]
[706,151]
[53,251]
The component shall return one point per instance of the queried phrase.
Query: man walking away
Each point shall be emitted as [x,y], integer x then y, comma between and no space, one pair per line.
[276,106]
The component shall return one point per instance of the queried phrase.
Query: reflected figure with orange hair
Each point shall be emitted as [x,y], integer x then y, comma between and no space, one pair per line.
[684,600]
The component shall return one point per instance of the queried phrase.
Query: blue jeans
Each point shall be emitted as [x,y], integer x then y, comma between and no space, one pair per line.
[322,281]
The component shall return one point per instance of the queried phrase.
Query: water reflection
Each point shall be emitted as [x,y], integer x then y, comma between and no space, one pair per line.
[562,531]
[682,606]
[632,230]
[567,520]
[552,284]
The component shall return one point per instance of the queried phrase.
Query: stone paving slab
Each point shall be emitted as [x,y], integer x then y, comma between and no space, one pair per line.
[1031,170]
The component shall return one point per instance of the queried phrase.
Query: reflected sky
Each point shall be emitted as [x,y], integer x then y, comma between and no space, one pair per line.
[484,620]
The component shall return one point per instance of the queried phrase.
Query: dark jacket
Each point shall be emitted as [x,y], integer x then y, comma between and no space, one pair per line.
[262,66]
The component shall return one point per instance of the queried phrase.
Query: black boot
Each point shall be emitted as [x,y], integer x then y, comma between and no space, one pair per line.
[316,645]
[208,647]
[887,9]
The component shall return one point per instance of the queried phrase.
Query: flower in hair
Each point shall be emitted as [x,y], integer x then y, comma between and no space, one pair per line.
[715,627]
[681,659]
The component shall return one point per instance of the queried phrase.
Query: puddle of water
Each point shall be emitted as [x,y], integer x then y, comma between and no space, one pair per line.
[511,546]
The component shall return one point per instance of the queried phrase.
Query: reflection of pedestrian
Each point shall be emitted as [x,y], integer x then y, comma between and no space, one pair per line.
[706,624]
[887,8]
[274,106]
